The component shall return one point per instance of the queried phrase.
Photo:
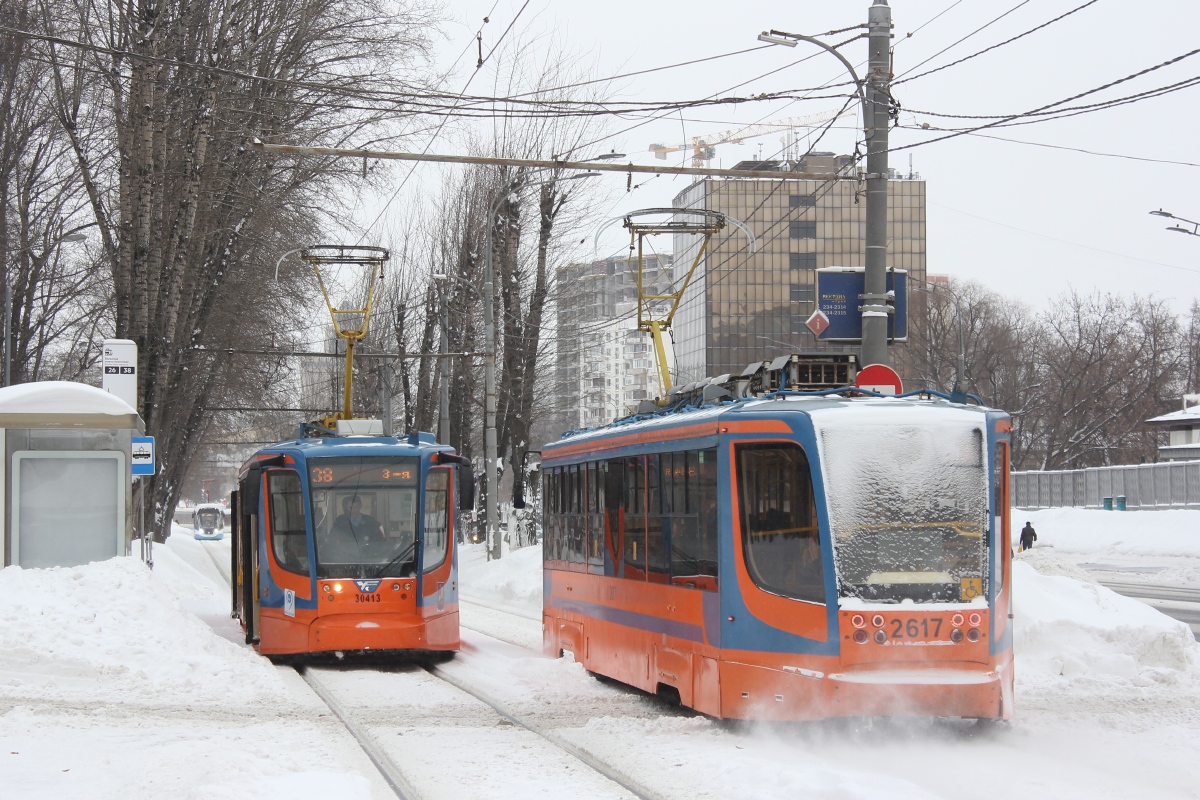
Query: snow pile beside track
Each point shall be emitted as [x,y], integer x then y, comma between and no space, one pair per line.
[1166,532]
[112,631]
[1070,632]
[514,581]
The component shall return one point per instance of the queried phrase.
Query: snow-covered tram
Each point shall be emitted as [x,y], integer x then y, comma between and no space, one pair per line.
[792,556]
[347,544]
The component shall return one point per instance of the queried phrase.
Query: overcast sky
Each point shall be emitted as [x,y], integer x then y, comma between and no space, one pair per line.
[1026,220]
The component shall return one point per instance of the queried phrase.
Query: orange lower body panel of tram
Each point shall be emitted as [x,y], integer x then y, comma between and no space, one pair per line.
[660,637]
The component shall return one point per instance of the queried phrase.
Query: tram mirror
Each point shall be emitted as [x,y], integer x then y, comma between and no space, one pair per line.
[518,496]
[466,488]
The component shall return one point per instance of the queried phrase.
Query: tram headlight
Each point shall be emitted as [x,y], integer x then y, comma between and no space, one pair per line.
[957,620]
[880,636]
[860,637]
[973,635]
[877,620]
[337,587]
[956,635]
[975,619]
[858,621]
[395,587]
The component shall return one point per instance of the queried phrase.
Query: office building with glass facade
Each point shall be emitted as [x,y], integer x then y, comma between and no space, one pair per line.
[744,306]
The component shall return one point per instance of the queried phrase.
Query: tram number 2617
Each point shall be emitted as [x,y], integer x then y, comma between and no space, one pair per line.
[913,629]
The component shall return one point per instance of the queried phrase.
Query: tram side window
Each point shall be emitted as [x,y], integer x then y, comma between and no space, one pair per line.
[289,537]
[559,539]
[693,523]
[657,556]
[437,518]
[614,515]
[595,520]
[635,519]
[576,525]
[780,537]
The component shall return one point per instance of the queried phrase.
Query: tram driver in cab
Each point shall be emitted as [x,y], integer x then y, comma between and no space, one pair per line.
[356,529]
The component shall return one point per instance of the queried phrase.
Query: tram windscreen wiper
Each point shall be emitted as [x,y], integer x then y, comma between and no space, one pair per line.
[405,555]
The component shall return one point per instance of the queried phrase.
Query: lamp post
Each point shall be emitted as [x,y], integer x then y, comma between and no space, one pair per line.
[875,95]
[444,367]
[70,237]
[490,455]
[1195,231]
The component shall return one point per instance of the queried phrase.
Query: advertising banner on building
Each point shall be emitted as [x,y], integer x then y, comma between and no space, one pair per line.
[838,290]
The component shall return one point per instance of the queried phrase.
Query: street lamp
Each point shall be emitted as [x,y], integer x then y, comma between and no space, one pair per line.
[489,365]
[70,237]
[875,95]
[1195,231]
[444,367]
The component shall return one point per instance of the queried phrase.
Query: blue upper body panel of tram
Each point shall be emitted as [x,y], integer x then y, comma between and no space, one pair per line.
[752,420]
[424,447]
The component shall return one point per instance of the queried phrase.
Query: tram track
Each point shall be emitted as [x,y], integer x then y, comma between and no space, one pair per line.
[600,766]
[404,788]
[388,770]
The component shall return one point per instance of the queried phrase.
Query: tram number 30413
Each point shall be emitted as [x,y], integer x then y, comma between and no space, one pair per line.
[367,598]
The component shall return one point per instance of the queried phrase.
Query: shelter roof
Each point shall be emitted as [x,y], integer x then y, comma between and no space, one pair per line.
[64,404]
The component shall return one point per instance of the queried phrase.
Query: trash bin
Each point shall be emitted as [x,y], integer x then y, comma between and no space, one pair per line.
[1108,505]
[1120,502]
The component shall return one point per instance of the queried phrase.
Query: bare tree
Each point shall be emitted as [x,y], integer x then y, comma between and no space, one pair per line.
[159,107]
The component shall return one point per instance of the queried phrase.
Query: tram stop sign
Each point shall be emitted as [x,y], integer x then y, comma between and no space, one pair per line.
[879,378]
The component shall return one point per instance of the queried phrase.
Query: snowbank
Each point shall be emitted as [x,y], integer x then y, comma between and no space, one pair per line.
[514,581]
[112,631]
[1168,532]
[1069,631]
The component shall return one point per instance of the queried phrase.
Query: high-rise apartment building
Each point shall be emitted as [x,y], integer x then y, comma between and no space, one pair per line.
[743,307]
[604,365]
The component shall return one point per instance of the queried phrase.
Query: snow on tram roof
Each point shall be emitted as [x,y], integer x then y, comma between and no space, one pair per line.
[874,407]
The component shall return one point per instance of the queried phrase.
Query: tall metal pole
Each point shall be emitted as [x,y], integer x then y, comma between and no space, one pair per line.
[7,332]
[489,387]
[875,308]
[444,399]
[385,397]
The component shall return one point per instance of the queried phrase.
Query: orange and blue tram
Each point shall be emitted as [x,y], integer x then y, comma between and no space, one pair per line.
[791,557]
[346,544]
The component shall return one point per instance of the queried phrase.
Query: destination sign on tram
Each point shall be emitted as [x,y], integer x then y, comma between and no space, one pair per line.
[366,470]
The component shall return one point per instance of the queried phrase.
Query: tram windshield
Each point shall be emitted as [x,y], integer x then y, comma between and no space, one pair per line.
[908,505]
[365,516]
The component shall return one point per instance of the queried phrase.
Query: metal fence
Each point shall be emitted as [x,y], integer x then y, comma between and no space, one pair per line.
[1173,484]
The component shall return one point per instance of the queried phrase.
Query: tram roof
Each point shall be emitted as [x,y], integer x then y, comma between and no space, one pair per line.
[771,407]
[352,446]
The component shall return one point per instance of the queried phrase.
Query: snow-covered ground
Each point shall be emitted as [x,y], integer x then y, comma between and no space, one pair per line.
[120,682]
[112,686]
[1145,545]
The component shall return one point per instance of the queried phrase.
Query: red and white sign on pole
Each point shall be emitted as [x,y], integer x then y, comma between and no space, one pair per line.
[879,378]
[818,322]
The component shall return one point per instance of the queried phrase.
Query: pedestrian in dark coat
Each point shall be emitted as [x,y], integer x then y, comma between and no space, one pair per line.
[1028,537]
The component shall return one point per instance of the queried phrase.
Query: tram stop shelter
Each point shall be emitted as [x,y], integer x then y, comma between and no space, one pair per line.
[66,474]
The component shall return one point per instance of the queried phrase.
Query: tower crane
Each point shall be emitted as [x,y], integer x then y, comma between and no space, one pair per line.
[704,147]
